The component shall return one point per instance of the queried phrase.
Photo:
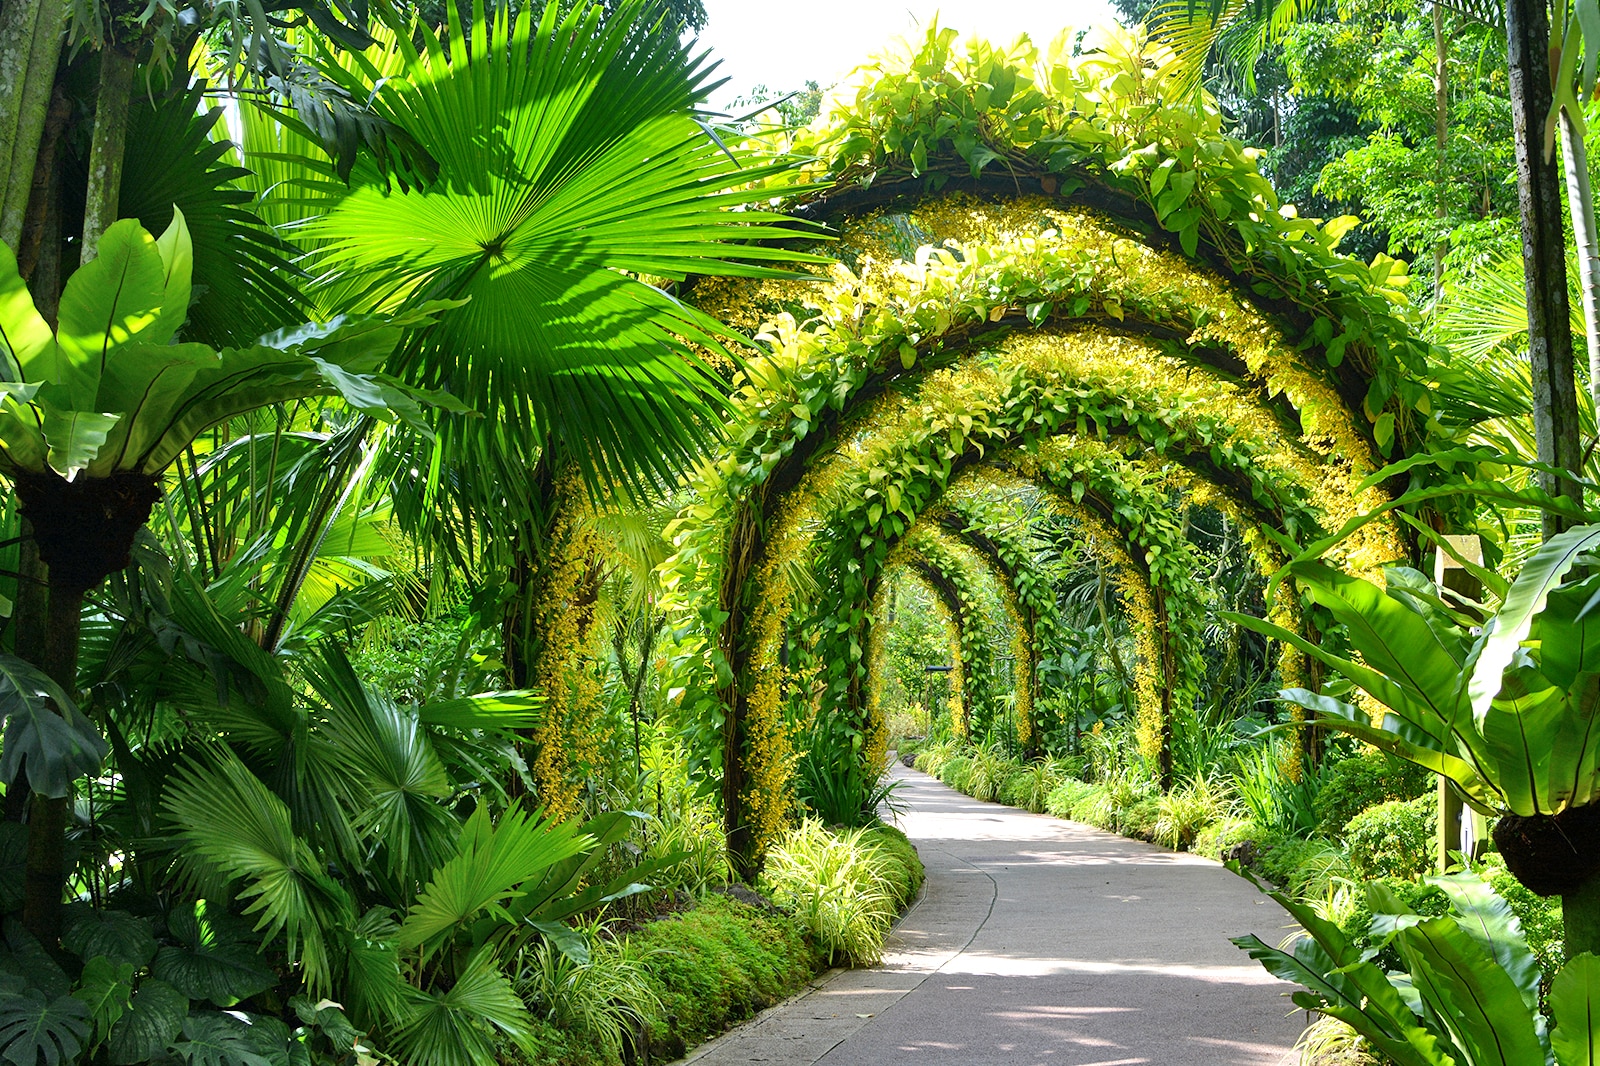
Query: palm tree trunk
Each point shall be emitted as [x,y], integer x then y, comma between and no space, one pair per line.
[1580,200]
[44,876]
[30,49]
[1544,255]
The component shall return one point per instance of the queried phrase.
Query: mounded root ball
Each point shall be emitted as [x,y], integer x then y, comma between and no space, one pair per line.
[85,528]
[1553,855]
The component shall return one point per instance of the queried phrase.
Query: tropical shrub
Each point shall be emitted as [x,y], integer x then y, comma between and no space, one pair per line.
[717,963]
[1467,993]
[1215,840]
[602,992]
[1065,796]
[956,772]
[841,888]
[1393,839]
[1182,813]
[1030,786]
[1352,785]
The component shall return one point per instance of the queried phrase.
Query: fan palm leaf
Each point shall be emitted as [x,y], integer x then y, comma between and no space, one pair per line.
[569,163]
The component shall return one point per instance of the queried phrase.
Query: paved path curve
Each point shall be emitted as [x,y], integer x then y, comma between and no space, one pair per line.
[1041,942]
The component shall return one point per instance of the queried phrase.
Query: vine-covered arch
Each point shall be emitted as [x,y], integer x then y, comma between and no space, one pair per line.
[1127,237]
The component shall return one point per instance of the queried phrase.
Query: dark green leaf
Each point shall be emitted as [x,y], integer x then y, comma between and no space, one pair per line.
[154,1018]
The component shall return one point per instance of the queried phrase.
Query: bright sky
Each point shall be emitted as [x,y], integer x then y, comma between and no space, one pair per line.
[781,45]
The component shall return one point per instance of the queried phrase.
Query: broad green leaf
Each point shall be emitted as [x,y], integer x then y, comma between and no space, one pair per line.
[1575,1003]
[75,438]
[105,988]
[177,265]
[459,1027]
[54,749]
[1470,994]
[153,1018]
[107,303]
[117,935]
[213,1039]
[1541,574]
[35,1031]
[27,346]
[212,959]
[1489,920]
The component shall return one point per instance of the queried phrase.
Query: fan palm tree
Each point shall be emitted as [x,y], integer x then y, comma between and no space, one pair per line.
[572,172]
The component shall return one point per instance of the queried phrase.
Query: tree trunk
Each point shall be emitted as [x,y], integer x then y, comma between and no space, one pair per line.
[30,49]
[1580,919]
[45,877]
[1441,119]
[106,147]
[1544,257]
[1580,200]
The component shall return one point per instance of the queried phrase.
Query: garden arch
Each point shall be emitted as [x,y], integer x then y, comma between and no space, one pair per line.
[1121,219]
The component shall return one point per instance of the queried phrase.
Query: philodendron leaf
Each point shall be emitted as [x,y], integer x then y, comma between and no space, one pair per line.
[117,935]
[105,988]
[213,1039]
[54,749]
[74,438]
[1575,1002]
[213,960]
[35,1030]
[152,1020]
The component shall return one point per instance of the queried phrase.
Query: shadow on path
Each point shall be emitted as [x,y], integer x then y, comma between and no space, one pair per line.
[1040,942]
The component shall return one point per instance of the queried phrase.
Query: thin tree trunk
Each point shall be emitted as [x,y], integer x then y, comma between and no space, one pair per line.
[31,621]
[107,147]
[1580,200]
[1441,119]
[44,876]
[1544,257]
[30,50]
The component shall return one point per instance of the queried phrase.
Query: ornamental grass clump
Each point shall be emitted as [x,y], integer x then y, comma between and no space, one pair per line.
[840,887]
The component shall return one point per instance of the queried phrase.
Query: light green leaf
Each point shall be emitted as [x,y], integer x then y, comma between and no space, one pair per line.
[26,344]
[1575,1003]
[107,303]
[75,438]
[177,261]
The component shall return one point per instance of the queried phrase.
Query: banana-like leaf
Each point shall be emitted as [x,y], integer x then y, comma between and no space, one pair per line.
[1489,920]
[1472,997]
[493,711]
[113,300]
[1524,600]
[1575,1003]
[25,337]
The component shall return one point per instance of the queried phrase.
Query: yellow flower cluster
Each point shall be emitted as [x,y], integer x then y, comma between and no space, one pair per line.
[566,742]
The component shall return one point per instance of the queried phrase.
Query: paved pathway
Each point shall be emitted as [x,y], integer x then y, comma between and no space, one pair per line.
[1041,942]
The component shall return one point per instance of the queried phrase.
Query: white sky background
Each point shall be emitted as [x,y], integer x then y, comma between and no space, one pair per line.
[782,44]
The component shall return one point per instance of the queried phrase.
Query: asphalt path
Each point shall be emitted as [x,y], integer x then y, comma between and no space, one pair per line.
[1042,942]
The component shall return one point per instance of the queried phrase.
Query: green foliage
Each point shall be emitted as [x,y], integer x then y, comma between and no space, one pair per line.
[1468,992]
[717,963]
[1030,786]
[1352,785]
[34,1029]
[608,998]
[1393,839]
[1183,813]
[841,888]
[1459,697]
[1065,797]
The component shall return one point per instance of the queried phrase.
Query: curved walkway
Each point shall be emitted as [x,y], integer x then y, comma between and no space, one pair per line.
[1040,942]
